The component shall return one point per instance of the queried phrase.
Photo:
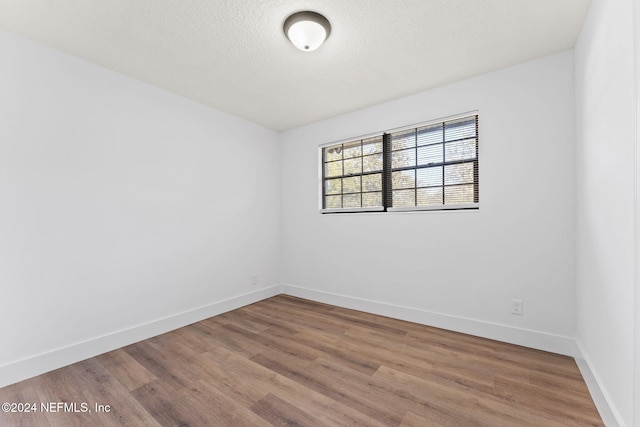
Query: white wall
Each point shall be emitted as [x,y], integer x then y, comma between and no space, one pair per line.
[605,134]
[120,204]
[463,265]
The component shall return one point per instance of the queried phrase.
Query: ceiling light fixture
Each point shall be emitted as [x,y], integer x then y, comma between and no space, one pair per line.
[307,30]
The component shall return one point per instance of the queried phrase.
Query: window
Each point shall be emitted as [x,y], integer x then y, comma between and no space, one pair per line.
[432,166]
[353,174]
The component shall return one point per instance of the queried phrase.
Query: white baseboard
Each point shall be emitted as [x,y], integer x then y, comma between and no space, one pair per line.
[529,338]
[54,359]
[525,337]
[38,364]
[600,397]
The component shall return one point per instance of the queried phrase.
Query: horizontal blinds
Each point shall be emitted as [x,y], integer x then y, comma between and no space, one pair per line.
[435,164]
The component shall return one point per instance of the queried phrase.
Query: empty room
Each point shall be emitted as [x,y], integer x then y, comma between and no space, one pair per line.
[319,212]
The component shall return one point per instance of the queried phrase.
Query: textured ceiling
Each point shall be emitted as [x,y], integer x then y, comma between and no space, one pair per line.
[233,55]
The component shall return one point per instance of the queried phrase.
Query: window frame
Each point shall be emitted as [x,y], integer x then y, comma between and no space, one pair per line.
[387,170]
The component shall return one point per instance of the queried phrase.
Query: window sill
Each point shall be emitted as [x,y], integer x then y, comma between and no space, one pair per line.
[351,210]
[439,208]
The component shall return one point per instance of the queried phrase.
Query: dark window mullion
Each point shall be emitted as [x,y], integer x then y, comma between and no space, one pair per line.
[415,170]
[433,165]
[466,138]
[387,194]
[361,169]
[444,160]
[359,174]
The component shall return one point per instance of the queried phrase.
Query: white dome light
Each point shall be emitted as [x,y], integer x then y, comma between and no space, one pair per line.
[307,30]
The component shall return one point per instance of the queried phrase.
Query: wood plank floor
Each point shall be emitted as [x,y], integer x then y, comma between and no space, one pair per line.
[289,361]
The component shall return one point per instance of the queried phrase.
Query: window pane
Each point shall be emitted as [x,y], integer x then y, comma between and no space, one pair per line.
[371,199]
[333,169]
[458,194]
[333,153]
[372,146]
[352,149]
[403,179]
[353,166]
[430,134]
[404,139]
[429,177]
[351,201]
[403,158]
[430,154]
[372,182]
[372,163]
[460,150]
[351,185]
[404,198]
[333,202]
[461,173]
[429,196]
[458,129]
[333,186]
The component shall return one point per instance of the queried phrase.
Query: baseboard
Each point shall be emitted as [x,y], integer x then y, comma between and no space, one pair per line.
[525,337]
[38,364]
[54,359]
[600,397]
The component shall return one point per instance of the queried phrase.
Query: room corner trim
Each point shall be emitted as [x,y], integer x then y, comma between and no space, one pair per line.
[598,393]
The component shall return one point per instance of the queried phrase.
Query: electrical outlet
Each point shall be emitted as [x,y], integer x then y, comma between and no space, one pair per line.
[516,306]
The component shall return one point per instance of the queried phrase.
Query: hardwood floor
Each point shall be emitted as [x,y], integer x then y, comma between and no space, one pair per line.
[288,361]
